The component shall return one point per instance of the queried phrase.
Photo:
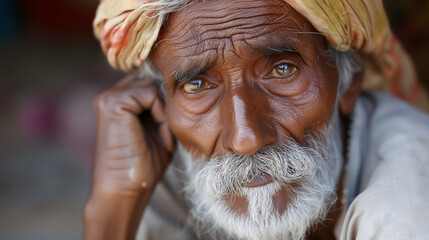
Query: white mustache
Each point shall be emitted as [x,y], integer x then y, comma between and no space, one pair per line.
[285,164]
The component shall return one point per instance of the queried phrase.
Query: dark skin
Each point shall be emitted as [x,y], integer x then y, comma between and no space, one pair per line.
[239,76]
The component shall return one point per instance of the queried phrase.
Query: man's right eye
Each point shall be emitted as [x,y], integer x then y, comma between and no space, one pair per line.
[197,85]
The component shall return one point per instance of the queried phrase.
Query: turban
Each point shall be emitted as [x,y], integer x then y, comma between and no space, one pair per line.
[127,30]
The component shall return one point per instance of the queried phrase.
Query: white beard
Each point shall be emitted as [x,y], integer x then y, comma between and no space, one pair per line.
[314,169]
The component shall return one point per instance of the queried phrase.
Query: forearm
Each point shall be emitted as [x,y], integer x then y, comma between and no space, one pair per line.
[113,217]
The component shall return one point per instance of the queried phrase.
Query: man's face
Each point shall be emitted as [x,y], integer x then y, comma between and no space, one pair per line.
[243,76]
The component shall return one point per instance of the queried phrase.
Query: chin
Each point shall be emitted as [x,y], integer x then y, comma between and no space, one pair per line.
[307,175]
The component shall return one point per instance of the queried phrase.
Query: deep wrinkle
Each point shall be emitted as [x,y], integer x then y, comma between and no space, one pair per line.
[272,45]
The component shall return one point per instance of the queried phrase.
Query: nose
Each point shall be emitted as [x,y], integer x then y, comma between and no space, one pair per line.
[248,128]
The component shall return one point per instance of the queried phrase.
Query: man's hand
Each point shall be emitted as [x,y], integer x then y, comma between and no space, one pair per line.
[133,149]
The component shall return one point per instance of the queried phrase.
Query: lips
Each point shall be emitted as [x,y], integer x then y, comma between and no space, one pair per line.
[260,180]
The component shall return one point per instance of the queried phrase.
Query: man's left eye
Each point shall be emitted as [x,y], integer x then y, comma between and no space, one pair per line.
[283,70]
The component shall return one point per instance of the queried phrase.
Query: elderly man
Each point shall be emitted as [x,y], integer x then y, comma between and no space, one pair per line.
[248,122]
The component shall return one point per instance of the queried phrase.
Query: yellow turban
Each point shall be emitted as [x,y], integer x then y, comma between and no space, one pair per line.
[127,30]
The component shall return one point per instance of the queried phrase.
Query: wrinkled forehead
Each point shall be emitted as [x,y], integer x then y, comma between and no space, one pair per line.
[206,29]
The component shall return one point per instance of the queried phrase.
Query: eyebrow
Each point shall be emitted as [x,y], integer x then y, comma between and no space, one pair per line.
[192,72]
[274,49]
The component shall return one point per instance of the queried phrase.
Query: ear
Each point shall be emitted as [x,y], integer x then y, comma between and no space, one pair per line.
[349,98]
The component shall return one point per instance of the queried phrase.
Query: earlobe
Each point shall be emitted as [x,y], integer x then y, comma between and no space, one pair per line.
[349,98]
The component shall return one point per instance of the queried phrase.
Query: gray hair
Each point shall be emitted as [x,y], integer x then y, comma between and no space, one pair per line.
[348,64]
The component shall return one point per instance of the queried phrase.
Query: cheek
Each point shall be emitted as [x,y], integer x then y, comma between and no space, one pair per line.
[197,104]
[317,113]
[308,111]
[197,132]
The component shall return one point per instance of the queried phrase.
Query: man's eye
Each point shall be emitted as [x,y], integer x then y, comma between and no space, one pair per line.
[283,70]
[196,86]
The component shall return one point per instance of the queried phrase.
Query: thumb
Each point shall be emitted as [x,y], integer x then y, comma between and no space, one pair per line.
[167,137]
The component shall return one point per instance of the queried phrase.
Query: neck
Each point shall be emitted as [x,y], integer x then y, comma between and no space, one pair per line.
[325,230]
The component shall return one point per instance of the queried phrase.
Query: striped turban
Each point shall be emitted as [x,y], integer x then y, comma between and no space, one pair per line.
[127,30]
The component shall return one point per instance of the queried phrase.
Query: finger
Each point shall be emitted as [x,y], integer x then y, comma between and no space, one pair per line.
[127,80]
[158,111]
[132,81]
[149,97]
[167,137]
[121,102]
[132,94]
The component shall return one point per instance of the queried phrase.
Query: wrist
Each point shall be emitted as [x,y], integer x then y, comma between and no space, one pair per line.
[112,216]
[106,218]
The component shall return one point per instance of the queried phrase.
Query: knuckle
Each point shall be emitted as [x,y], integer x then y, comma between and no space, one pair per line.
[108,100]
[89,211]
[102,99]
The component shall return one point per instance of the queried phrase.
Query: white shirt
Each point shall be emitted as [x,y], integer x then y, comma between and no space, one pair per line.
[388,174]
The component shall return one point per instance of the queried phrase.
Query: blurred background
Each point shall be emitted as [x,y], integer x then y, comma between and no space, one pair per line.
[51,67]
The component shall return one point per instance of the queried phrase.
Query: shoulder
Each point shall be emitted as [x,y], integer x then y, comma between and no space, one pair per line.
[389,115]
[394,182]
